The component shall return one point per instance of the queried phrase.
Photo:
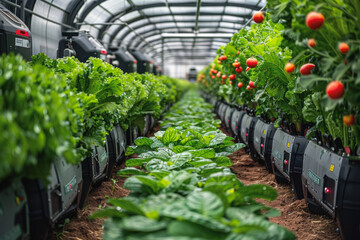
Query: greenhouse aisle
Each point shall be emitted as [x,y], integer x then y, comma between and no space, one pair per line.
[294,213]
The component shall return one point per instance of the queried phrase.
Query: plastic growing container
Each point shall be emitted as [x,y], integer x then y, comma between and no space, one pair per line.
[14,218]
[331,183]
[56,201]
[235,122]
[263,140]
[287,156]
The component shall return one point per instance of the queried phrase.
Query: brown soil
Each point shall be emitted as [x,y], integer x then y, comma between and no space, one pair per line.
[295,215]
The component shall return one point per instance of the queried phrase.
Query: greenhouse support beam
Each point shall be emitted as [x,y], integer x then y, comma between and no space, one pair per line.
[196,35]
[102,23]
[198,5]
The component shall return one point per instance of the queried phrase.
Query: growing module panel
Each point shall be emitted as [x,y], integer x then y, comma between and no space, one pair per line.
[287,159]
[247,129]
[228,114]
[14,217]
[236,121]
[333,182]
[63,190]
[263,139]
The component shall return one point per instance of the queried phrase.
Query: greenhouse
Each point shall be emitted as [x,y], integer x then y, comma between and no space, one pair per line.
[179,120]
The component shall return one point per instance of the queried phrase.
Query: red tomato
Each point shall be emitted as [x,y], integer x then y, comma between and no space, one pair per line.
[232,77]
[230,82]
[219,62]
[248,88]
[218,74]
[306,69]
[312,42]
[236,64]
[252,84]
[349,120]
[335,90]
[258,17]
[215,71]
[289,67]
[224,57]
[344,48]
[314,20]
[224,77]
[239,69]
[238,52]
[251,62]
[222,82]
[240,84]
[247,69]
[212,77]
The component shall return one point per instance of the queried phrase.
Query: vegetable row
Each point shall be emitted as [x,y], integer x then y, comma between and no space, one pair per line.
[297,67]
[62,108]
[181,187]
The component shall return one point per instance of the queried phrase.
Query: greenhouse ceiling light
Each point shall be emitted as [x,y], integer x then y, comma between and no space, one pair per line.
[196,35]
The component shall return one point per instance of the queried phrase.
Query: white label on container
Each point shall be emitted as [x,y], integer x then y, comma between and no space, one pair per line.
[20,42]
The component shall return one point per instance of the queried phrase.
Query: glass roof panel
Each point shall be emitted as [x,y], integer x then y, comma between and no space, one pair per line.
[237,10]
[115,6]
[230,25]
[143,2]
[164,25]
[161,19]
[185,18]
[130,16]
[218,10]
[186,24]
[60,3]
[85,6]
[212,1]
[156,11]
[249,2]
[142,22]
[183,9]
[98,14]
[210,18]
[233,19]
[113,28]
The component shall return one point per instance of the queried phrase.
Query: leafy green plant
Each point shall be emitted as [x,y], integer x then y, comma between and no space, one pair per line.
[40,119]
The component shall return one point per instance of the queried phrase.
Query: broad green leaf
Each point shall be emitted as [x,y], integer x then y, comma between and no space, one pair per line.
[180,159]
[204,153]
[126,204]
[107,213]
[179,148]
[142,224]
[206,203]
[218,139]
[171,135]
[156,165]
[141,141]
[222,161]
[201,162]
[135,162]
[130,171]
[193,230]
[234,148]
[177,211]
[249,192]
